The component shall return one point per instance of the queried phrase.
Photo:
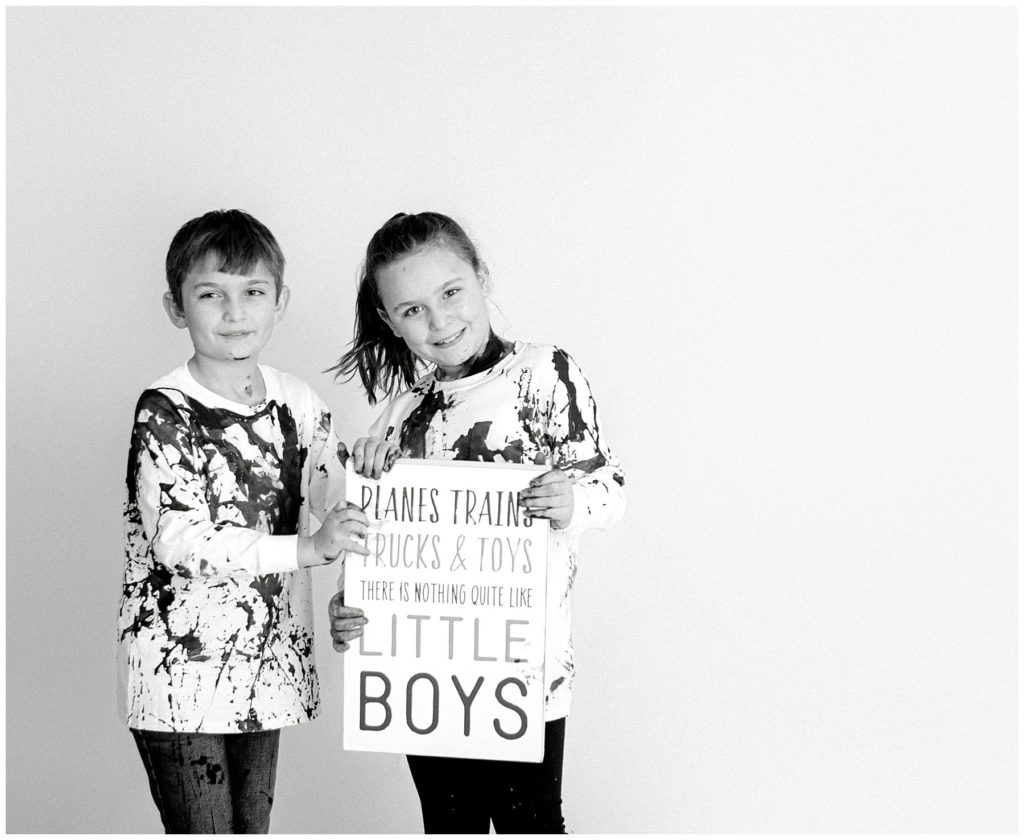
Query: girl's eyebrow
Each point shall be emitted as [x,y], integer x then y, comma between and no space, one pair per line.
[440,288]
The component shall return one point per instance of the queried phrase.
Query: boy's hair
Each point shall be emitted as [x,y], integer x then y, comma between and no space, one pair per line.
[237,239]
[382,359]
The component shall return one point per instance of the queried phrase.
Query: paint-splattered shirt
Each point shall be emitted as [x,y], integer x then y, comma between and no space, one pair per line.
[215,621]
[534,406]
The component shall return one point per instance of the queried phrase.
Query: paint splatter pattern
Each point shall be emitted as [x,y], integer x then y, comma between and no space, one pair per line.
[215,619]
[534,406]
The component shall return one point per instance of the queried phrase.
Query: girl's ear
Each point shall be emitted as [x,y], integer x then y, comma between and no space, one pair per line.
[384,317]
[174,312]
[483,274]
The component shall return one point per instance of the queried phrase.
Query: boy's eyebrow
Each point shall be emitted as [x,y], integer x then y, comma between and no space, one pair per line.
[214,284]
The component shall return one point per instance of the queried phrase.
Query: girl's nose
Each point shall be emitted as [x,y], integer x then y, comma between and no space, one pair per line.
[438,318]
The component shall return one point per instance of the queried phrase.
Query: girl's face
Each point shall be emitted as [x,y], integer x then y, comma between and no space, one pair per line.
[436,303]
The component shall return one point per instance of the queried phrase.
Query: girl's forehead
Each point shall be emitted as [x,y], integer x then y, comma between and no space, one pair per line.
[426,266]
[431,254]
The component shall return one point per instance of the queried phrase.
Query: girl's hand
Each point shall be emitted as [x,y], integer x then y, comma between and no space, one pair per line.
[346,622]
[373,456]
[342,527]
[549,496]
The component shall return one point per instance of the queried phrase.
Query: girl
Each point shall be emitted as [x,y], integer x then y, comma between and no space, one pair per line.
[423,300]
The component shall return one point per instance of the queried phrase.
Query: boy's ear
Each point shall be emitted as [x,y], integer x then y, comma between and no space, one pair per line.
[174,312]
[282,304]
[384,317]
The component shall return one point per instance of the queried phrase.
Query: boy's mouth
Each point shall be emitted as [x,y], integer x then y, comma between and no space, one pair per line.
[239,334]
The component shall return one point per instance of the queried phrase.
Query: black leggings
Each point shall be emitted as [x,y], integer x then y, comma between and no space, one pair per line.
[463,795]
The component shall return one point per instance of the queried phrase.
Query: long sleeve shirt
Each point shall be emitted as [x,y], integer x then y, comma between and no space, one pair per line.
[215,626]
[534,406]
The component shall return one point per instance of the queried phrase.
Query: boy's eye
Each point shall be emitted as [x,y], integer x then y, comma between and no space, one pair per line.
[452,292]
[207,295]
[256,292]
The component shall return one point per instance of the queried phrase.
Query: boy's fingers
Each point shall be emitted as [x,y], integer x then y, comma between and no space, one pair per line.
[354,513]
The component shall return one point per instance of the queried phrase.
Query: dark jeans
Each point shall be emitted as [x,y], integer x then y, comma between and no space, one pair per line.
[208,783]
[463,795]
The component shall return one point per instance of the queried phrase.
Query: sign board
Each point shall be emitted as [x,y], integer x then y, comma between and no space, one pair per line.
[451,661]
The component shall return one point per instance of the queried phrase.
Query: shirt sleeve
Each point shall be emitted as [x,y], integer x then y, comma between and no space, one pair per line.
[327,456]
[171,493]
[578,449]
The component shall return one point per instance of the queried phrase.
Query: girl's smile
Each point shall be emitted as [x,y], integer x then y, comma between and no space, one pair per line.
[444,342]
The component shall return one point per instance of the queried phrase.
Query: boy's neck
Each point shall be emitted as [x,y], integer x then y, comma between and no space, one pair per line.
[239,382]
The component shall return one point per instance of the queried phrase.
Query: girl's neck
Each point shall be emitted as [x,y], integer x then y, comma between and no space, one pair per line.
[240,382]
[492,352]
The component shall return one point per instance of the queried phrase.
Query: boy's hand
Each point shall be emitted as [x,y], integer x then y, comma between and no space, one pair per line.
[373,456]
[342,527]
[346,622]
[549,496]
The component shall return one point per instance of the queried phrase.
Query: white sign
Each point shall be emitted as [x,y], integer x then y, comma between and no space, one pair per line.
[451,661]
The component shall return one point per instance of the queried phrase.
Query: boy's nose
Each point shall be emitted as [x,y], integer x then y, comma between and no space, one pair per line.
[232,310]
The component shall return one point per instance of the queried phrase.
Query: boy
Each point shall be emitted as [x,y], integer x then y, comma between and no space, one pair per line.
[228,459]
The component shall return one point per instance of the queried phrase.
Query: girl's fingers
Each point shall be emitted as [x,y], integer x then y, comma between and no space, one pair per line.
[337,608]
[346,635]
[365,448]
[379,455]
[546,491]
[357,455]
[342,625]
[558,512]
[550,477]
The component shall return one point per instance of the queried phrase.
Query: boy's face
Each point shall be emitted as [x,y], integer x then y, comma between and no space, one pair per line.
[229,317]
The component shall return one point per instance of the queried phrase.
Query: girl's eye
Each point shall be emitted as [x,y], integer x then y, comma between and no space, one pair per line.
[412,310]
[452,292]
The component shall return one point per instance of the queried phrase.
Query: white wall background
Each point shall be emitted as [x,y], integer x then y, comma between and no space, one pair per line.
[780,242]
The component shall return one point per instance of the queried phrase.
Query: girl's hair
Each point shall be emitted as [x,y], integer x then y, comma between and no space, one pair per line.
[382,359]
